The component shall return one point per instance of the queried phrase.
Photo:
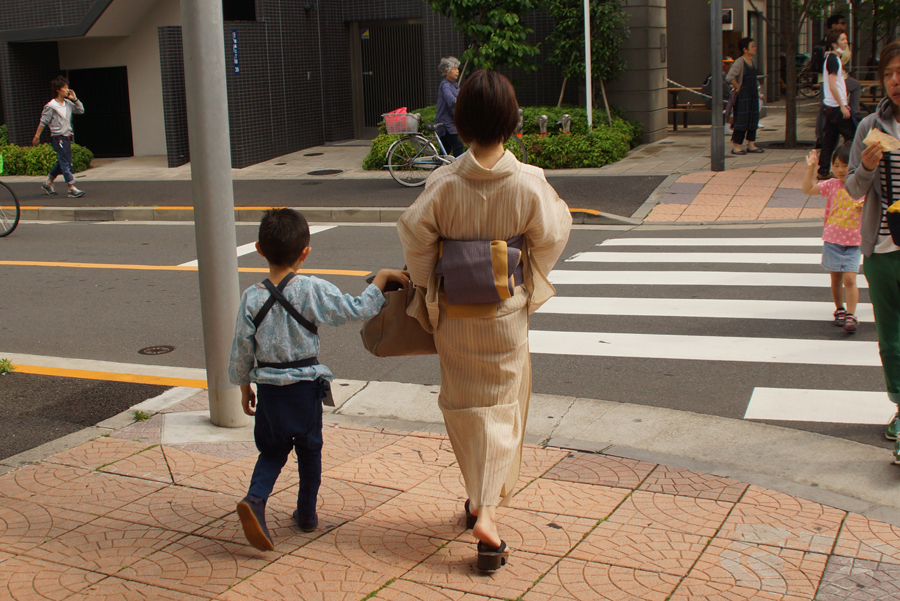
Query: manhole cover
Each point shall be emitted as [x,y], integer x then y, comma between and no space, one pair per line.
[160,349]
[313,154]
[326,172]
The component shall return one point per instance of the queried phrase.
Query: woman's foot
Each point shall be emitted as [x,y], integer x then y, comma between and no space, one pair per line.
[738,150]
[485,529]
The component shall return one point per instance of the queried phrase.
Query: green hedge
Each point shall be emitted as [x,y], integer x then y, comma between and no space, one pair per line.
[607,143]
[38,160]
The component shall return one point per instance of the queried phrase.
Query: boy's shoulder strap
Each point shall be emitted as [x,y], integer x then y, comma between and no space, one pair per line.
[277,296]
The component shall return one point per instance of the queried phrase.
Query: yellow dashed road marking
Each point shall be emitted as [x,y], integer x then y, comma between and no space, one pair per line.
[172,267]
[109,376]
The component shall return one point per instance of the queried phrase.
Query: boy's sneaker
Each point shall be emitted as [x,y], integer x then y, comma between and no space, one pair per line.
[252,511]
[75,193]
[48,188]
[893,428]
[897,452]
[839,316]
[850,323]
[307,523]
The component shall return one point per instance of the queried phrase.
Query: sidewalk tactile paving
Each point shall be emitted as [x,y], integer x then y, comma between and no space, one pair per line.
[176,508]
[453,566]
[734,570]
[578,580]
[97,452]
[146,465]
[592,468]
[687,483]
[198,565]
[776,519]
[847,579]
[680,514]
[25,524]
[645,549]
[24,579]
[569,498]
[868,539]
[104,545]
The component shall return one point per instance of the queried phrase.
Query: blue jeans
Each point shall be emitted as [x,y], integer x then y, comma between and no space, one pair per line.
[289,417]
[63,148]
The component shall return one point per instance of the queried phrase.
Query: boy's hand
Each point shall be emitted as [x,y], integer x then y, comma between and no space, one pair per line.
[812,158]
[871,156]
[248,400]
[391,275]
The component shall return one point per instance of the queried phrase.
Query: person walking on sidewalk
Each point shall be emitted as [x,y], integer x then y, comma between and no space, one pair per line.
[743,79]
[275,346]
[57,115]
[840,252]
[446,101]
[498,228]
[839,121]
[875,174]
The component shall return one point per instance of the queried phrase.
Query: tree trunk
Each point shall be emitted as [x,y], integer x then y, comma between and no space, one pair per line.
[605,102]
[562,91]
[789,37]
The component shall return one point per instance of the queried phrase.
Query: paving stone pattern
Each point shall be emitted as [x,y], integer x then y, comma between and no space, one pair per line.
[123,517]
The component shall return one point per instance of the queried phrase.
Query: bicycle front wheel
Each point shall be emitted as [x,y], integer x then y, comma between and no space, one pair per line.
[517,147]
[411,160]
[9,210]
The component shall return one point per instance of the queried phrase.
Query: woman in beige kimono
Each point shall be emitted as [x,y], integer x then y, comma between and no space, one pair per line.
[486,195]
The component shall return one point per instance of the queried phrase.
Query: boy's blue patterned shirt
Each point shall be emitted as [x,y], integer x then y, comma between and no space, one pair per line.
[281,339]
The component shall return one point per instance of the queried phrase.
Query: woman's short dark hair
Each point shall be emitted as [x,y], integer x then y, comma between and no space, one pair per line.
[833,37]
[888,53]
[743,44]
[58,83]
[486,109]
[842,154]
[283,234]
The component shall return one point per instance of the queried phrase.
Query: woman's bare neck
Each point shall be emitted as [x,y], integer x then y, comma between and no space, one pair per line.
[487,156]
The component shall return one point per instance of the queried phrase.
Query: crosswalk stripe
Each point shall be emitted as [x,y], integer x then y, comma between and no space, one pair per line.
[699,307]
[676,257]
[707,348]
[828,406]
[694,242]
[694,278]
[246,249]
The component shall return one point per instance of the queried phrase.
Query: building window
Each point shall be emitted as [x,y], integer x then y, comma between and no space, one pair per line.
[239,10]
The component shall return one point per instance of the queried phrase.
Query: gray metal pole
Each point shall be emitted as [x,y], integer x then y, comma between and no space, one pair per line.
[717,132]
[207,107]
[587,63]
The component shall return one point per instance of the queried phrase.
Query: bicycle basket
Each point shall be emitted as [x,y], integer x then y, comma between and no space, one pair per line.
[402,123]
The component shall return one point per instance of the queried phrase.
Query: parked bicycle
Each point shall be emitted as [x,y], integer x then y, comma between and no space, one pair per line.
[412,158]
[9,210]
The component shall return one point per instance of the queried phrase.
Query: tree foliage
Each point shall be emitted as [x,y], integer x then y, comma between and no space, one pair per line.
[608,34]
[499,37]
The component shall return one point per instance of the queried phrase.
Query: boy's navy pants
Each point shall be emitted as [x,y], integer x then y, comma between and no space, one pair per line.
[289,417]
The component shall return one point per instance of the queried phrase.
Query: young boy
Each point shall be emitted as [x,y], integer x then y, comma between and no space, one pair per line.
[57,115]
[275,346]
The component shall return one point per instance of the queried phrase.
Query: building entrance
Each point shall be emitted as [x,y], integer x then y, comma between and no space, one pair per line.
[105,126]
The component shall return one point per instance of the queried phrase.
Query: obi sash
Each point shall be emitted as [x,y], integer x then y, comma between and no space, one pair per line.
[479,272]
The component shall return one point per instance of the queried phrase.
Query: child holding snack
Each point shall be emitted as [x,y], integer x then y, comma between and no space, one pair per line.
[840,252]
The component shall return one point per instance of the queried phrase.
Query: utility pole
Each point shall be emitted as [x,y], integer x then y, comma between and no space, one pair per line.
[587,63]
[717,131]
[203,31]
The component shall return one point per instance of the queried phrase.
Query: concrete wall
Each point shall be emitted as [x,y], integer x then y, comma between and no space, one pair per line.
[641,90]
[139,53]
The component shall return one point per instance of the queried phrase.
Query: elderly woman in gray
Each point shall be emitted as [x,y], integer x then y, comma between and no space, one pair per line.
[446,102]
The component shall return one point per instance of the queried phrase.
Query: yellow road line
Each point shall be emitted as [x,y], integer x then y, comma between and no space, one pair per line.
[109,376]
[172,267]
[591,211]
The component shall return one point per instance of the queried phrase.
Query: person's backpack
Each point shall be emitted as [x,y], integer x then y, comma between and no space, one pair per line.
[817,58]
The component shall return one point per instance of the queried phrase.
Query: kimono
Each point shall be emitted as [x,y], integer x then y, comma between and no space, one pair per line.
[485,361]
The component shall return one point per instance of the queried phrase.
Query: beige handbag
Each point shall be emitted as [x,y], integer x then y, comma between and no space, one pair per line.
[393,333]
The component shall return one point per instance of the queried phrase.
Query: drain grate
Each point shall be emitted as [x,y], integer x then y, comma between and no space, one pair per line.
[313,154]
[160,349]
[326,172]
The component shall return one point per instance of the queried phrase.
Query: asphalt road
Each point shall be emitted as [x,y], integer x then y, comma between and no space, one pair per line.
[619,195]
[109,314]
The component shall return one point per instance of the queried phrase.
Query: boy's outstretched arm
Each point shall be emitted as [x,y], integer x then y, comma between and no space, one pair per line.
[391,275]
[809,183]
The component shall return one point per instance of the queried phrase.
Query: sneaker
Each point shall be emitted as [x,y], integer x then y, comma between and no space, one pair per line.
[252,511]
[893,428]
[48,188]
[75,193]
[307,523]
[839,316]
[897,453]
[850,323]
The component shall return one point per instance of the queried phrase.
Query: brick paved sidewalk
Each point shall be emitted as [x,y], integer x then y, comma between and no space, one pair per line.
[766,192]
[123,517]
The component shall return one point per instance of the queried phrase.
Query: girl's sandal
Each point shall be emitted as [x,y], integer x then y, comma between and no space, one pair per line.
[470,519]
[491,560]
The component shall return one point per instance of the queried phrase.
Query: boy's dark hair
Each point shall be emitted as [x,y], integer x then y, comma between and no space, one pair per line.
[743,44]
[834,19]
[888,53]
[58,82]
[486,109]
[283,234]
[842,154]
[832,38]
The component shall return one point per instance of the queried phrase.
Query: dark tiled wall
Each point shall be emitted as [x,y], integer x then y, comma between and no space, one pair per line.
[28,14]
[171,56]
[25,73]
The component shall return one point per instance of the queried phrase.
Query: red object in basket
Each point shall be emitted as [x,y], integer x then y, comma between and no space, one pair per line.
[396,119]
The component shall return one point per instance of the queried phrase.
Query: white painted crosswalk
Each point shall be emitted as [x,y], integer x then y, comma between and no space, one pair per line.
[246,249]
[659,290]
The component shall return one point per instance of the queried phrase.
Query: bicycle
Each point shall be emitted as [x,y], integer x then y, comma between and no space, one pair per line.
[411,159]
[9,210]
